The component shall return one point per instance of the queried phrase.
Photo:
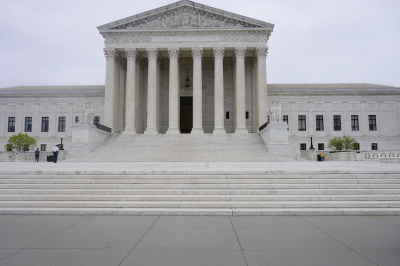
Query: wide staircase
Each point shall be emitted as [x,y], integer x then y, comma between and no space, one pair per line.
[169,193]
[182,148]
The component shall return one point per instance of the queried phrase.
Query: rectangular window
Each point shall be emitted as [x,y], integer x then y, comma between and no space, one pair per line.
[337,123]
[76,119]
[319,123]
[11,124]
[247,115]
[303,146]
[28,124]
[354,123]
[96,120]
[8,147]
[374,146]
[321,146]
[302,123]
[26,147]
[356,146]
[45,124]
[61,124]
[372,122]
[43,147]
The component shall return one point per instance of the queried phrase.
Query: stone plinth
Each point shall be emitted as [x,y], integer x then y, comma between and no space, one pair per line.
[85,138]
[276,139]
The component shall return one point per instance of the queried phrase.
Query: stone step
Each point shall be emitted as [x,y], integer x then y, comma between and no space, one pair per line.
[216,197]
[196,181]
[201,204]
[203,191]
[199,186]
[205,175]
[202,211]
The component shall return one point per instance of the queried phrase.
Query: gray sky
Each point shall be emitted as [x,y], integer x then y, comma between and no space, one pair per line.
[56,42]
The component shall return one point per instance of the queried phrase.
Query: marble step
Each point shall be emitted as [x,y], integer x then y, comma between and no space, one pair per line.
[202,191]
[200,186]
[196,181]
[205,175]
[201,204]
[203,211]
[216,197]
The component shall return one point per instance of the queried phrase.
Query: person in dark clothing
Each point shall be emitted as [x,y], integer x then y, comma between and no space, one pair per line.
[37,153]
[55,154]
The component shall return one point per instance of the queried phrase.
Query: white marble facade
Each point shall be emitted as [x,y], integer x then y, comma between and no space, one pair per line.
[150,56]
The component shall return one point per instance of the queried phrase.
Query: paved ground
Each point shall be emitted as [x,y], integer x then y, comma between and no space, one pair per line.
[202,240]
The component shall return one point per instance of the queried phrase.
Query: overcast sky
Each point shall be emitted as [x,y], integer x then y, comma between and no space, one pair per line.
[56,42]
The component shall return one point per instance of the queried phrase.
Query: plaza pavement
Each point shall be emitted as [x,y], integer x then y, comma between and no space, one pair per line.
[29,240]
[199,240]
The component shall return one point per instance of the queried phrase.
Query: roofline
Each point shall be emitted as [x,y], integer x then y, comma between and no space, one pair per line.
[183,3]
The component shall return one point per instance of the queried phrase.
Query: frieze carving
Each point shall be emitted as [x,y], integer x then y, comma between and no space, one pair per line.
[218,52]
[197,52]
[185,36]
[109,53]
[152,53]
[185,17]
[131,53]
[173,52]
[240,52]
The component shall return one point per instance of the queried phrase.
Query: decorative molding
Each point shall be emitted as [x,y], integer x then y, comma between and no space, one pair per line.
[186,36]
[131,53]
[109,53]
[197,52]
[185,17]
[262,52]
[152,53]
[173,52]
[240,52]
[219,52]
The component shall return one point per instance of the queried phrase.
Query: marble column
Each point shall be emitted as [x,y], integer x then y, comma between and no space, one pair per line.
[261,53]
[240,91]
[131,94]
[109,107]
[197,54]
[219,127]
[152,54]
[173,127]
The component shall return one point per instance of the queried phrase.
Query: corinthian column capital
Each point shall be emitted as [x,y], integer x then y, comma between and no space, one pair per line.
[131,53]
[109,53]
[197,52]
[219,52]
[262,51]
[240,52]
[173,52]
[152,53]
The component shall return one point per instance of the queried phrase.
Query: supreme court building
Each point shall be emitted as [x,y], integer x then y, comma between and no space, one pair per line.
[187,68]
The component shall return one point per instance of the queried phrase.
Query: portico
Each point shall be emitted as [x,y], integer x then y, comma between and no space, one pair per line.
[185,50]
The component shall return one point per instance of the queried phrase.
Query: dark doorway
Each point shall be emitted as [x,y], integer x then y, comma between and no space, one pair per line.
[186,115]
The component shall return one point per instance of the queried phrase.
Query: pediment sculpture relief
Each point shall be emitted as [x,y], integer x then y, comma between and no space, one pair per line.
[185,18]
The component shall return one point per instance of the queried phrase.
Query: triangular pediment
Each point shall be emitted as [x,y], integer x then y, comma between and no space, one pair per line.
[185,14]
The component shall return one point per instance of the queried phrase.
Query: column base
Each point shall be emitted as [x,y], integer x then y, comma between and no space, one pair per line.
[219,131]
[241,131]
[197,131]
[130,131]
[173,131]
[151,131]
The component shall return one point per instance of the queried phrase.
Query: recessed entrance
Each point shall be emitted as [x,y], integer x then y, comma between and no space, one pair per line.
[186,114]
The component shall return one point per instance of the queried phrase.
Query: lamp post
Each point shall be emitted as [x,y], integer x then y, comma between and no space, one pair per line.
[311,146]
[61,145]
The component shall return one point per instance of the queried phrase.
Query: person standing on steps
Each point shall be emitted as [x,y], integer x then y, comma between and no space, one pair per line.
[37,153]
[55,154]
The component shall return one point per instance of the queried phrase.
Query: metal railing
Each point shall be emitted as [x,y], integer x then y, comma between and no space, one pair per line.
[102,127]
